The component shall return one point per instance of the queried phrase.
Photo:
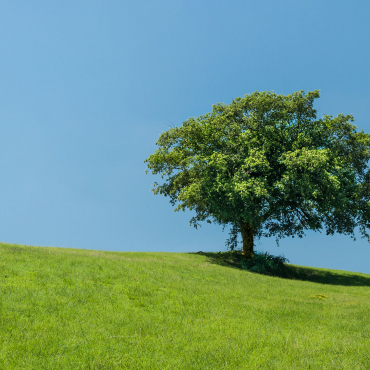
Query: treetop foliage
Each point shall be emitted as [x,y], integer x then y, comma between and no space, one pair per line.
[266,160]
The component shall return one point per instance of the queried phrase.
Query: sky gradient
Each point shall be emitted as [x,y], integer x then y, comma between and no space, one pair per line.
[87,87]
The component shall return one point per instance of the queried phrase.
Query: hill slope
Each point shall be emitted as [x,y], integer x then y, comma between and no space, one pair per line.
[80,309]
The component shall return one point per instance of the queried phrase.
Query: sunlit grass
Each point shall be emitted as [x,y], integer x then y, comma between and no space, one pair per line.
[79,309]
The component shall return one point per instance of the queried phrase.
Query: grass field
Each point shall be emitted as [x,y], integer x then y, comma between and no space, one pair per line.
[80,309]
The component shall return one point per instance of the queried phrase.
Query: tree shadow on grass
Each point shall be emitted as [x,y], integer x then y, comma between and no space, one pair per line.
[234,259]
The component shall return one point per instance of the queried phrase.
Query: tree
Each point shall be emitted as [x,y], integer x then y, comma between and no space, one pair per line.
[266,166]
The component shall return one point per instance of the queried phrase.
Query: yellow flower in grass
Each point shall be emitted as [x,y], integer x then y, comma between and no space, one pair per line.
[319,296]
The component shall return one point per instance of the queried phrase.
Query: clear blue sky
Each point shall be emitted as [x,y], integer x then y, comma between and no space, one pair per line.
[86,88]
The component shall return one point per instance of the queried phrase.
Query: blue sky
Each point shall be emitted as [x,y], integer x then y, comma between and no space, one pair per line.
[86,88]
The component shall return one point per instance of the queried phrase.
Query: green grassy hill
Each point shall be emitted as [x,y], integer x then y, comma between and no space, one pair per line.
[80,309]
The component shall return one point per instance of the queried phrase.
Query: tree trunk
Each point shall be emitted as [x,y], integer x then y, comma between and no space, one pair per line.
[247,235]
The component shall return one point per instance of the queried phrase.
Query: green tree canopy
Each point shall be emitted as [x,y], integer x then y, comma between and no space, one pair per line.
[266,166]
